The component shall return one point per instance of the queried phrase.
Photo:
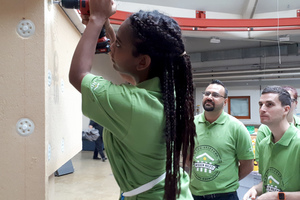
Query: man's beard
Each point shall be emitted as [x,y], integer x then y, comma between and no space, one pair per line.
[209,108]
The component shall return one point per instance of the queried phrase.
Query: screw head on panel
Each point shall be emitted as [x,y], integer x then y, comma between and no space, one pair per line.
[25,28]
[25,127]
[49,78]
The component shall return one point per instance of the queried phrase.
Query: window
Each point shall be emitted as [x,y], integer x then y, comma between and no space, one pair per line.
[239,107]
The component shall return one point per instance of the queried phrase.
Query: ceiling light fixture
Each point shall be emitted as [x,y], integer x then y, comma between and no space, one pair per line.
[215,40]
[284,38]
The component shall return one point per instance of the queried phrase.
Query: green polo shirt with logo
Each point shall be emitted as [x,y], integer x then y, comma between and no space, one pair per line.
[279,163]
[134,121]
[264,131]
[218,148]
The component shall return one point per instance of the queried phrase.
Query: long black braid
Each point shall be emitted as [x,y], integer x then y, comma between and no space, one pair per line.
[159,37]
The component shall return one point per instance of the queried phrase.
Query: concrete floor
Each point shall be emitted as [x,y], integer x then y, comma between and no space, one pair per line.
[91,180]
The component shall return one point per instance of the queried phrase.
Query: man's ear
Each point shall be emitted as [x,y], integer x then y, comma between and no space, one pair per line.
[144,62]
[286,109]
[225,102]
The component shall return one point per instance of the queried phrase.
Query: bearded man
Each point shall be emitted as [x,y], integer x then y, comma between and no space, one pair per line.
[223,149]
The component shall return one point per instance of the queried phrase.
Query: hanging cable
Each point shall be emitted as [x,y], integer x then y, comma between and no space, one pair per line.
[278,41]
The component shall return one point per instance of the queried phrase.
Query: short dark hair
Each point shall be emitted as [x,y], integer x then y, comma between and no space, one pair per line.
[290,88]
[218,82]
[283,95]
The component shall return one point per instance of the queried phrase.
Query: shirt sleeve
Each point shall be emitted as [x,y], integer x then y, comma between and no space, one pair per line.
[263,144]
[107,104]
[244,144]
[262,132]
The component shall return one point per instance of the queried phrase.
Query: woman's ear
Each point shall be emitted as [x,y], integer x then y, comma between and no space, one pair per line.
[144,62]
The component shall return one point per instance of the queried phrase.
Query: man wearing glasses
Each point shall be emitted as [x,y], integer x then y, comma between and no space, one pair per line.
[223,149]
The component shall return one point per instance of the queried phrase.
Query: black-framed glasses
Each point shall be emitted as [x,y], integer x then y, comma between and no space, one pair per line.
[293,100]
[213,94]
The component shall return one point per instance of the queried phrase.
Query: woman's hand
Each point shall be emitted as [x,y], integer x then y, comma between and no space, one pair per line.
[102,9]
[85,19]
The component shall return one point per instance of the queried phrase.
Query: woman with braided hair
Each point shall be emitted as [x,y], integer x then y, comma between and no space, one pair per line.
[148,123]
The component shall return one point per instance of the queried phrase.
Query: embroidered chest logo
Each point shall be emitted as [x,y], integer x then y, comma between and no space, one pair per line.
[94,85]
[206,163]
[273,180]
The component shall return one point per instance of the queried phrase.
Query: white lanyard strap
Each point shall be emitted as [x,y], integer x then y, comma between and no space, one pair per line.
[144,187]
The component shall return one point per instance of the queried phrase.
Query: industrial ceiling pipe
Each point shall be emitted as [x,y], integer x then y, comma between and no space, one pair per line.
[205,82]
[248,76]
[245,71]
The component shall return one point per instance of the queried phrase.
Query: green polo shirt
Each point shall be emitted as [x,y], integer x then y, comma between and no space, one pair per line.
[264,131]
[134,121]
[279,163]
[218,148]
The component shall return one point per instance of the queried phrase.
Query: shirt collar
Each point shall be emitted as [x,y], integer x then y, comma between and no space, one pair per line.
[297,121]
[221,119]
[287,136]
[150,84]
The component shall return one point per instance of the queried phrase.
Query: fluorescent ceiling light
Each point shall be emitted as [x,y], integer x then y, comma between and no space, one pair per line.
[284,38]
[215,40]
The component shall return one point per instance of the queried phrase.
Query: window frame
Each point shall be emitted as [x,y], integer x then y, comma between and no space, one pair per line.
[230,106]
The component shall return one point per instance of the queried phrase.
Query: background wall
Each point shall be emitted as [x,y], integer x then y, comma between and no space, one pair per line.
[28,162]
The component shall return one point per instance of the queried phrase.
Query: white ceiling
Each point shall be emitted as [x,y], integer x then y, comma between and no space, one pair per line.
[198,42]
[223,9]
[254,71]
[225,6]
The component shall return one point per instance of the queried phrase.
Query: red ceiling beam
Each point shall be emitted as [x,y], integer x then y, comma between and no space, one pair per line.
[200,14]
[237,23]
[234,24]
[240,29]
[120,15]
